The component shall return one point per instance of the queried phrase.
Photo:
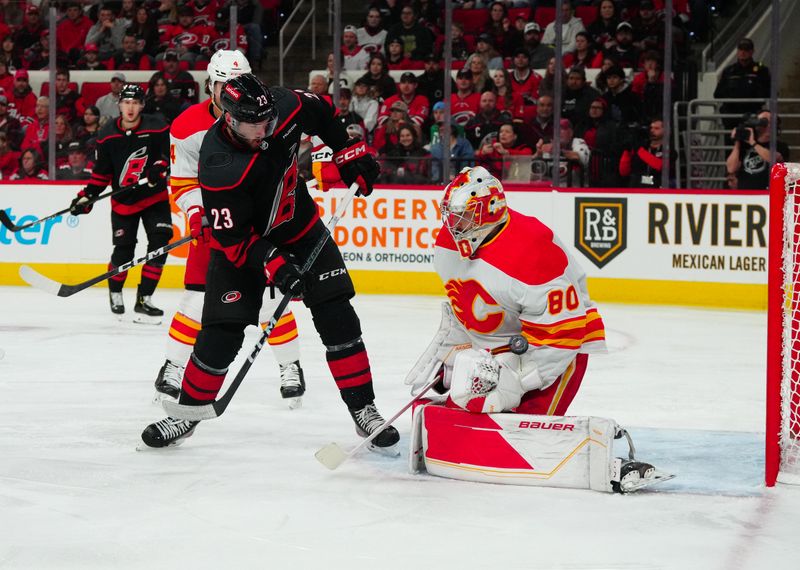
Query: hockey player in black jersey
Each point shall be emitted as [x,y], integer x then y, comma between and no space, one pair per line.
[264,225]
[130,148]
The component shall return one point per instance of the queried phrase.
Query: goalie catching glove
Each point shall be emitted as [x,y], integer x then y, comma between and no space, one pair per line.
[482,383]
[283,271]
[357,165]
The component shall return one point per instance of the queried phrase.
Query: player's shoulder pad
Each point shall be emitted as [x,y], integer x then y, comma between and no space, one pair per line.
[152,123]
[287,103]
[110,128]
[196,118]
[222,167]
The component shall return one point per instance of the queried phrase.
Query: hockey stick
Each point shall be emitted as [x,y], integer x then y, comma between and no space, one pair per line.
[39,281]
[216,409]
[6,221]
[332,455]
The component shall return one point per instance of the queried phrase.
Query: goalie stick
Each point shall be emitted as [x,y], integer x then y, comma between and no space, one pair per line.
[217,408]
[332,455]
[6,221]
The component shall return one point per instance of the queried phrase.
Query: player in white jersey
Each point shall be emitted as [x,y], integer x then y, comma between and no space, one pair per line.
[186,136]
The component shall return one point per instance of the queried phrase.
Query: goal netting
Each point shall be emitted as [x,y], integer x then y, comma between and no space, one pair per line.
[783,335]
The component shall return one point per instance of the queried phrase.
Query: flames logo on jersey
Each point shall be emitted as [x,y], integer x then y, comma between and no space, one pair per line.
[132,169]
[471,303]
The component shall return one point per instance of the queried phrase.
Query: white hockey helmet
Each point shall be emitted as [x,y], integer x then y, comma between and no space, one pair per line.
[225,64]
[473,206]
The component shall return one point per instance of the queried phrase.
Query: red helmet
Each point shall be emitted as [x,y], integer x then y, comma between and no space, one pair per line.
[473,206]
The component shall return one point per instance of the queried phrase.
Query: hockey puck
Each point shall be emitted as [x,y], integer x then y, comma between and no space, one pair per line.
[518,344]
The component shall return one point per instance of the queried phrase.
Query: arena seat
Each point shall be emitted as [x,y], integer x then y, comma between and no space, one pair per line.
[513,13]
[587,14]
[544,15]
[45,89]
[91,91]
[474,21]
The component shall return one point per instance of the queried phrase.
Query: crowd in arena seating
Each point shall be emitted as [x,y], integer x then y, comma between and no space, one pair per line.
[502,96]
[167,37]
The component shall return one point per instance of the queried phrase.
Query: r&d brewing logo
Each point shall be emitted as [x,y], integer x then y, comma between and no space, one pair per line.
[600,228]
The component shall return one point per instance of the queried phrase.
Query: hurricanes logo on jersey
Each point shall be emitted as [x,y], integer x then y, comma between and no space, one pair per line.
[132,169]
[472,306]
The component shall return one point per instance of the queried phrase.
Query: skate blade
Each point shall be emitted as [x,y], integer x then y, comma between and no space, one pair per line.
[141,319]
[391,451]
[643,482]
[294,403]
[142,446]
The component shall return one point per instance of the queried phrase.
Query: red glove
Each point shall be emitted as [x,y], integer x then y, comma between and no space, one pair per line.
[198,224]
[282,271]
[357,165]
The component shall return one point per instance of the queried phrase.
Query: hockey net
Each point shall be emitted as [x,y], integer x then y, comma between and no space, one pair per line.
[783,334]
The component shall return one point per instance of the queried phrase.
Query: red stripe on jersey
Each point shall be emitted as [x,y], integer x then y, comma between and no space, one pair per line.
[289,118]
[305,230]
[238,182]
[236,253]
[109,137]
[128,209]
[201,385]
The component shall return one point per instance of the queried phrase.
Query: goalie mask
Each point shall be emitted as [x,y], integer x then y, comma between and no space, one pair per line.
[472,207]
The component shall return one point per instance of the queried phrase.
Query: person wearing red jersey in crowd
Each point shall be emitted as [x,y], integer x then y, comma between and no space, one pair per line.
[584,55]
[90,60]
[31,167]
[487,121]
[204,11]
[9,158]
[642,166]
[71,31]
[222,33]
[190,40]
[22,101]
[464,103]
[396,58]
[507,100]
[68,101]
[418,105]
[497,154]
[524,80]
[180,83]
[129,57]
[6,78]
[406,161]
[356,57]
[387,132]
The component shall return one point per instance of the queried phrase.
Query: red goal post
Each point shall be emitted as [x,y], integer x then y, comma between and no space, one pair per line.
[783,328]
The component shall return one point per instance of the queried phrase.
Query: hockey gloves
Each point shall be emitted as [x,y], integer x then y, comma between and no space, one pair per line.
[282,271]
[81,204]
[157,172]
[198,224]
[357,165]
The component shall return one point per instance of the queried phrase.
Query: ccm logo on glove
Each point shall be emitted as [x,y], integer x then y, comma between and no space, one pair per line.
[349,154]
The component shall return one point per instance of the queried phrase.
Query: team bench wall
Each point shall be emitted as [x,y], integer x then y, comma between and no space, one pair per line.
[701,248]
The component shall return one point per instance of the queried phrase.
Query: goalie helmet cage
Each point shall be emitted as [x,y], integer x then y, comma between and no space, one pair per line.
[783,328]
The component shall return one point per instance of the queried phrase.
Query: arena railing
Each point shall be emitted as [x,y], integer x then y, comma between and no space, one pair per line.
[284,50]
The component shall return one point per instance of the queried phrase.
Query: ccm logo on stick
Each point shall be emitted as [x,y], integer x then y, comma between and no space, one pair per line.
[546,425]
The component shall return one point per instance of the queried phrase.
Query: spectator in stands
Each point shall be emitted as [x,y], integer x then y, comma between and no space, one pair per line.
[127,11]
[417,40]
[538,53]
[107,33]
[484,49]
[390,11]
[71,31]
[180,83]
[577,97]
[146,32]
[429,14]
[524,80]
[498,25]
[9,126]
[541,128]
[574,153]
[204,11]
[600,82]
[378,79]
[405,162]
[160,101]
[418,105]
[37,55]
[9,53]
[396,58]
[347,116]
[77,167]
[192,42]
[458,45]
[507,100]
[64,136]
[604,28]
[6,78]
[743,79]
[648,28]
[584,55]
[623,52]
[642,166]
[22,102]
[481,81]
[515,36]
[386,133]
[355,56]
[497,155]
[570,27]
[486,121]
[603,137]
[331,75]
[109,104]
[68,101]
[250,17]
[431,81]
[464,103]
[461,154]
[31,31]
[36,133]
[372,35]
[87,128]
[623,105]
[749,160]
[12,12]
[318,85]
[437,116]
[129,57]
[90,60]
[648,84]
[9,158]
[31,167]
[547,84]
[364,105]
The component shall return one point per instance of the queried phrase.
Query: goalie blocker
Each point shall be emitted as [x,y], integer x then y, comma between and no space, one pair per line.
[519,449]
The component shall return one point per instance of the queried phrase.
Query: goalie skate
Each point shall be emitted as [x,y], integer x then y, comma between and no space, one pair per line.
[631,476]
[146,312]
[367,420]
[293,384]
[168,382]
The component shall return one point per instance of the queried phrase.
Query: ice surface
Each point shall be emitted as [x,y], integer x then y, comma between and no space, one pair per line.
[246,491]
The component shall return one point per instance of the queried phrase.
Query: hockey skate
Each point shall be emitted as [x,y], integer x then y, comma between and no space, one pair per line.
[117,304]
[168,432]
[168,382]
[146,312]
[293,384]
[631,475]
[367,420]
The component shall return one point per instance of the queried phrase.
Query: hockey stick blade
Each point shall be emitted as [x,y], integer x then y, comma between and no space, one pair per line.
[39,281]
[6,221]
[216,409]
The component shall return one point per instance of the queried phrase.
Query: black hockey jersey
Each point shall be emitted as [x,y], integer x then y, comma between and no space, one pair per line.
[252,198]
[123,157]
